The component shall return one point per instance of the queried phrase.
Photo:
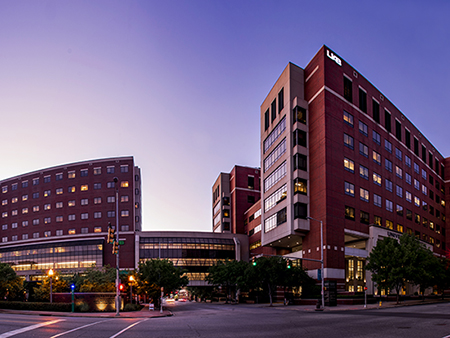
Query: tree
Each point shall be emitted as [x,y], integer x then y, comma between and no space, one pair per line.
[157,273]
[11,286]
[59,284]
[97,280]
[228,274]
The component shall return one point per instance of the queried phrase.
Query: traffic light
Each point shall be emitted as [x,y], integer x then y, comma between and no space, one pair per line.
[121,287]
[254,261]
[111,233]
[288,264]
[115,248]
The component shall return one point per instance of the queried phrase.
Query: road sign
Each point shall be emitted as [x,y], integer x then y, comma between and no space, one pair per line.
[121,242]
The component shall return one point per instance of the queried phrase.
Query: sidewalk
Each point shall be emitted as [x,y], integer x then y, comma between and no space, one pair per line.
[144,313]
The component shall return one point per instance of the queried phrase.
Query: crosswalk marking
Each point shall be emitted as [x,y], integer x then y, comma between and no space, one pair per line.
[127,328]
[29,328]
[78,328]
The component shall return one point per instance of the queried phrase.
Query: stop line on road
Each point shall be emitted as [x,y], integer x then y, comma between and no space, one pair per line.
[29,328]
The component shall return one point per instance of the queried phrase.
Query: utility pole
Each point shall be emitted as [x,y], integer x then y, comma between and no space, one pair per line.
[116,184]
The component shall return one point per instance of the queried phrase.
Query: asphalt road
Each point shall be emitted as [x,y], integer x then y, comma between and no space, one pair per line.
[219,320]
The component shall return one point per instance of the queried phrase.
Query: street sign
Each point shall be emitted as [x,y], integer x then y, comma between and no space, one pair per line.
[121,242]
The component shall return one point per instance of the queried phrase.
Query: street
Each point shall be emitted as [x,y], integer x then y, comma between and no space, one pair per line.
[243,320]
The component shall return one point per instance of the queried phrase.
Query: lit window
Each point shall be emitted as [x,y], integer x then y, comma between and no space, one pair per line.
[84,187]
[350,213]
[47,193]
[125,213]
[4,214]
[47,206]
[376,157]
[416,201]
[349,189]
[97,171]
[14,200]
[24,210]
[4,202]
[47,233]
[97,200]
[348,118]
[71,203]
[124,198]
[398,172]
[424,190]
[363,172]
[59,205]
[124,184]
[71,189]
[24,197]
[14,213]
[349,165]
[348,141]
[71,174]
[71,232]
[376,179]
[59,191]
[47,220]
[59,219]
[399,210]
[24,223]
[97,229]
[364,195]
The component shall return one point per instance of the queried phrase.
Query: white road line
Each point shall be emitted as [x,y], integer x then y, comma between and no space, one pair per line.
[29,328]
[78,328]
[127,328]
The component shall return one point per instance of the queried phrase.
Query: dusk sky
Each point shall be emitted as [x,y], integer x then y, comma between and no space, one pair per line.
[179,84]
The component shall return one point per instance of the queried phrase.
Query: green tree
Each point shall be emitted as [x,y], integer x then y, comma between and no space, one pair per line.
[59,284]
[228,274]
[157,273]
[97,280]
[11,286]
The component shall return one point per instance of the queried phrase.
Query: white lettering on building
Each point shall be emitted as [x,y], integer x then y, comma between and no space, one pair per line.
[334,57]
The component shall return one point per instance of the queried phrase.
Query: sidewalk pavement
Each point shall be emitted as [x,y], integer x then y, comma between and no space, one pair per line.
[144,313]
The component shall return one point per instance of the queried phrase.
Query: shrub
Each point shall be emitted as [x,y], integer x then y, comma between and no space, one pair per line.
[36,306]
[132,307]
[82,307]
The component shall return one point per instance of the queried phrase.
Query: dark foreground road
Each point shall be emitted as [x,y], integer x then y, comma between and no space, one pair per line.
[219,320]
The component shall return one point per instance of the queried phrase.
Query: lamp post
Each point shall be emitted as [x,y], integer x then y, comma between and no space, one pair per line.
[321,258]
[50,274]
[131,279]
[116,183]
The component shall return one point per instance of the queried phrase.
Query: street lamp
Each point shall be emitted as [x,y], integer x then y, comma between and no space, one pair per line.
[131,279]
[321,258]
[50,274]
[116,183]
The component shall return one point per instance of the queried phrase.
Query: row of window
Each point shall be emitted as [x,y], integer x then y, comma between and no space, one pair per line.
[71,217]
[433,162]
[60,233]
[70,175]
[273,109]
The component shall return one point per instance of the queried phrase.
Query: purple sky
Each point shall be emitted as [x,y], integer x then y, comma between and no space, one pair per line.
[178,84]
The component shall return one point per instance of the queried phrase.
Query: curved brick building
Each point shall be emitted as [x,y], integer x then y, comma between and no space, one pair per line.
[58,217]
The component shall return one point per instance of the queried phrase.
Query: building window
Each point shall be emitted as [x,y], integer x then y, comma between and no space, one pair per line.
[300,186]
[124,184]
[398,130]
[47,179]
[14,225]
[59,232]
[399,210]
[24,184]
[59,191]
[36,181]
[4,214]
[349,189]
[15,199]
[14,212]
[59,219]
[376,179]
[348,141]
[111,214]
[376,137]
[408,161]
[273,108]
[348,118]
[14,237]
[364,195]
[15,185]
[271,159]
[299,115]
[24,197]
[273,178]
[424,190]
[84,215]
[124,198]
[47,193]
[377,220]
[250,199]
[84,187]
[110,185]
[110,199]
[47,220]
[364,217]
[389,206]
[416,168]
[281,100]
[416,184]
[299,138]
[59,205]
[424,154]
[376,111]
[363,150]
[71,203]
[348,95]
[35,195]
[300,162]
[266,120]
[110,170]
[350,213]
[275,134]
[5,227]
[416,146]
[47,206]
[97,186]
[363,172]
[97,229]
[84,230]
[424,174]
[24,223]
[97,171]
[36,221]
[71,232]
[388,185]
[362,100]
[83,172]
[275,198]
[398,154]
[387,120]
[416,201]
[349,165]
[71,217]
[98,214]
[408,196]
[124,168]
[250,182]
[376,157]
[4,202]
[399,191]
[388,146]
[398,172]
[71,189]
[84,201]
[388,165]
[377,200]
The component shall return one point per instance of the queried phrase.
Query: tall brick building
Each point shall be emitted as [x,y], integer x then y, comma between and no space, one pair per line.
[335,149]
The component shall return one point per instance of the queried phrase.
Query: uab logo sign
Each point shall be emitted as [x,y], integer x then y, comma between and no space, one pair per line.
[334,57]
